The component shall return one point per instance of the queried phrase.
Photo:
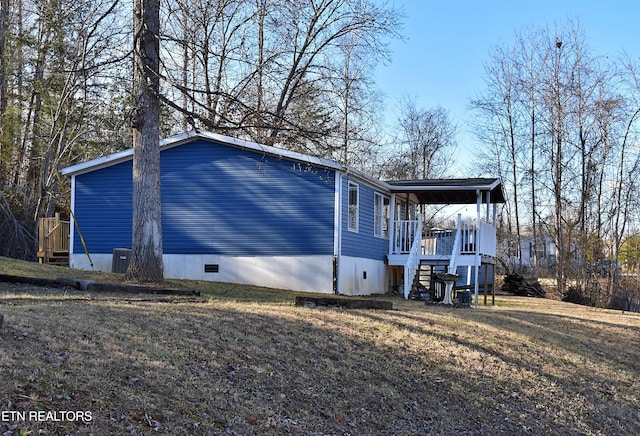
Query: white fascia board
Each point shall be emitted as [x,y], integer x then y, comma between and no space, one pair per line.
[495,184]
[267,149]
[358,175]
[104,161]
[402,188]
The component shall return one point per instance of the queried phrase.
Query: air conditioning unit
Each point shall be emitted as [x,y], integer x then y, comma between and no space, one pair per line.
[120,261]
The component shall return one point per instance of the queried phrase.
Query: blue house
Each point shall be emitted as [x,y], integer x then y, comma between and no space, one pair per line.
[241,212]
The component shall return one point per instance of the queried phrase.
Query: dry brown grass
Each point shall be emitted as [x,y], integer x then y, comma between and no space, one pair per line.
[227,363]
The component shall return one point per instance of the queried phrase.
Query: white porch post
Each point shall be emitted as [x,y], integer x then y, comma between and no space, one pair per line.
[392,228]
[478,239]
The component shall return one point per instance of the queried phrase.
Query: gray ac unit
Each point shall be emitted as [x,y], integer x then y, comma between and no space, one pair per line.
[120,261]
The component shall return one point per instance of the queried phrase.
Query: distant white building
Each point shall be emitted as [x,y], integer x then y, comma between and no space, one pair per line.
[541,253]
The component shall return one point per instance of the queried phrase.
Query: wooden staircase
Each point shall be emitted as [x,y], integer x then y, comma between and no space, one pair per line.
[53,241]
[422,255]
[426,282]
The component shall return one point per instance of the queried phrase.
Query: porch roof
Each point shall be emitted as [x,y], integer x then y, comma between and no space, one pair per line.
[450,191]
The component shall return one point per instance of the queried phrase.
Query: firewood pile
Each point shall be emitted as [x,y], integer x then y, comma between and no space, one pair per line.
[518,285]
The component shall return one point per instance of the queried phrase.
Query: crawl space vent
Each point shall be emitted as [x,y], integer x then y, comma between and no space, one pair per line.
[211,268]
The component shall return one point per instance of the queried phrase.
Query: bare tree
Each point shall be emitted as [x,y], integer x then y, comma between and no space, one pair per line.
[356,105]
[427,141]
[266,69]
[500,104]
[531,63]
[146,256]
[552,118]
[4,29]
[55,55]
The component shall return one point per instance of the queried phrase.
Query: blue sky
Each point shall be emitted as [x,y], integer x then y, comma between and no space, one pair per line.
[447,42]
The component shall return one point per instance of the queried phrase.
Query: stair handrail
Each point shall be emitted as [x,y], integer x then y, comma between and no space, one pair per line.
[413,260]
[456,247]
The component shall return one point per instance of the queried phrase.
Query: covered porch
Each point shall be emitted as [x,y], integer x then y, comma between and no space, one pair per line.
[467,249]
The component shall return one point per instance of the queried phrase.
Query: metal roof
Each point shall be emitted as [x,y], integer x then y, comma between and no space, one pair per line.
[450,191]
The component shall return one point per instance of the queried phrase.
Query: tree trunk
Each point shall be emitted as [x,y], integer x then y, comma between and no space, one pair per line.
[513,149]
[557,159]
[4,30]
[261,6]
[146,255]
[185,78]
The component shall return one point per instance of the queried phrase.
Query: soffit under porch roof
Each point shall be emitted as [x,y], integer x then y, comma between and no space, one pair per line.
[450,191]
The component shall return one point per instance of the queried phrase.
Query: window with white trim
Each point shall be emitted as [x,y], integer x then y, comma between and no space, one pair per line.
[381,211]
[353,207]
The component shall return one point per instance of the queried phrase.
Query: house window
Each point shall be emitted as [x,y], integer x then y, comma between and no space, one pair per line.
[353,207]
[381,210]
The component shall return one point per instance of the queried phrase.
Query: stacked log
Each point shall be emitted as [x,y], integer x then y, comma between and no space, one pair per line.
[518,285]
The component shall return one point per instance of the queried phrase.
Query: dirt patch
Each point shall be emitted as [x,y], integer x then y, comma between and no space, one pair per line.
[343,303]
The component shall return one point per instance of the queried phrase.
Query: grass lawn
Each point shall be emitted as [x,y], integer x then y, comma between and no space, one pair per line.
[245,360]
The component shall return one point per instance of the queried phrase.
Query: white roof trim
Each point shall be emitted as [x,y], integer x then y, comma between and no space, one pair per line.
[181,138]
[104,161]
[431,188]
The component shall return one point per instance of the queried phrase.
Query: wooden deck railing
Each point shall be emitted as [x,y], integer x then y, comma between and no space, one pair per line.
[464,245]
[440,241]
[53,240]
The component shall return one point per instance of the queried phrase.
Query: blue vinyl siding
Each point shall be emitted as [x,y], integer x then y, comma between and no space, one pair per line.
[219,199]
[103,204]
[362,243]
[463,271]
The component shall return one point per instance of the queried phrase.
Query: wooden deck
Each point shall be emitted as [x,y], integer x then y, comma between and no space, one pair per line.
[53,241]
